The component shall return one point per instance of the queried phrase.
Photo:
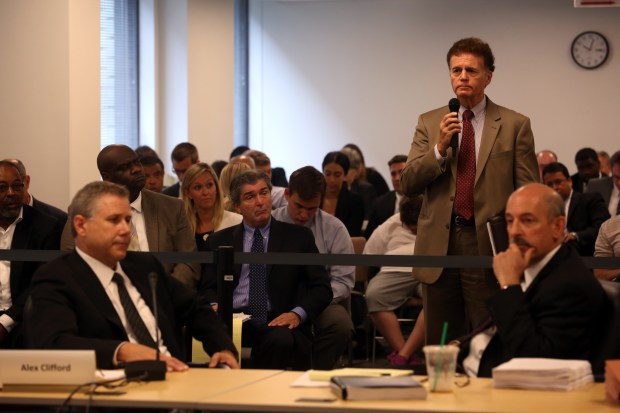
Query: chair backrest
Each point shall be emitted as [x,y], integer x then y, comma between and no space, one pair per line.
[361,271]
[607,341]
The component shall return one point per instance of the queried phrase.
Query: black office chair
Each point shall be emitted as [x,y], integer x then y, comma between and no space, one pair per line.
[607,340]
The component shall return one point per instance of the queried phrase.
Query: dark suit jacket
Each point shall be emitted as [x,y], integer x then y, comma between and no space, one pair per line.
[350,210]
[603,186]
[172,190]
[71,310]
[36,231]
[383,208]
[578,182]
[555,317]
[367,192]
[167,230]
[586,213]
[376,180]
[288,286]
[59,214]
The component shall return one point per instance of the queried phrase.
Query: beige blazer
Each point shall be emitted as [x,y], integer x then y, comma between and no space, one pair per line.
[506,161]
[167,230]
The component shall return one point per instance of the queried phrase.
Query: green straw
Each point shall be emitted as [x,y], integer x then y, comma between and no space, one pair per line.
[441,344]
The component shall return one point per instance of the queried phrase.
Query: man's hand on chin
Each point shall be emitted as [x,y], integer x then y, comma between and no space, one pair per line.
[509,265]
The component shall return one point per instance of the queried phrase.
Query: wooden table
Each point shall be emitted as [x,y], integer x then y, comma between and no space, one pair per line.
[274,394]
[270,391]
[179,390]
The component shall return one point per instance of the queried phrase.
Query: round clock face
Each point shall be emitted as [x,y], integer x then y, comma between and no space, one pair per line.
[590,50]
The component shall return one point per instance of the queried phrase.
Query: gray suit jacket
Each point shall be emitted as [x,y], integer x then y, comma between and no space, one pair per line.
[506,161]
[167,230]
[603,186]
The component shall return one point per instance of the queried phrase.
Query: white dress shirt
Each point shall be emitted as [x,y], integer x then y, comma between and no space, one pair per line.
[6,239]
[137,219]
[104,274]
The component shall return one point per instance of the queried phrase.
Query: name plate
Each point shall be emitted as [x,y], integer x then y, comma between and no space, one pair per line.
[46,367]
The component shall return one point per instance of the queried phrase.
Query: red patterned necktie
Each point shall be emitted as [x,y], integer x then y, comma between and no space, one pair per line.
[466,170]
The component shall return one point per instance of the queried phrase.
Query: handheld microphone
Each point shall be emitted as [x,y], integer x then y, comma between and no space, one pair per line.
[149,370]
[454,105]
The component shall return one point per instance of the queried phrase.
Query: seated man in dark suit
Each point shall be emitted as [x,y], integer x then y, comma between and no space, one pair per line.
[609,186]
[549,304]
[283,300]
[387,204]
[588,167]
[21,227]
[37,204]
[159,222]
[98,296]
[585,212]
[183,156]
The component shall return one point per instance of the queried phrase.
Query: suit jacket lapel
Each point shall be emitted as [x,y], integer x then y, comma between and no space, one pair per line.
[92,287]
[237,242]
[21,236]
[149,213]
[561,254]
[489,135]
[574,199]
[276,239]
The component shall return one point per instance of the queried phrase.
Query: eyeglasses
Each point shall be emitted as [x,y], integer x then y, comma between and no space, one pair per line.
[16,187]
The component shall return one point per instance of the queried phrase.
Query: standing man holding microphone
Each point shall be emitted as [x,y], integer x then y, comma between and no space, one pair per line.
[464,184]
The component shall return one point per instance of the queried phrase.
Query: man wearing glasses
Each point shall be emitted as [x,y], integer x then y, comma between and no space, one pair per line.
[21,227]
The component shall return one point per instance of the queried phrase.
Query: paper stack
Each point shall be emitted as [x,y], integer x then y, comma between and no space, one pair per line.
[543,374]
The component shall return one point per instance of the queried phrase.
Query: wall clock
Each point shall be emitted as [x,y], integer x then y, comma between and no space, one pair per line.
[590,49]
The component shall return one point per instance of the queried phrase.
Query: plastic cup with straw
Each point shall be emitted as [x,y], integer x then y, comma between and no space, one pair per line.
[441,345]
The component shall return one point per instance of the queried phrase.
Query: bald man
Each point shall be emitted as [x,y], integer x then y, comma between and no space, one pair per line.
[158,221]
[549,303]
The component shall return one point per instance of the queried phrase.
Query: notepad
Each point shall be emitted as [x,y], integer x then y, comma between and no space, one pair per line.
[378,388]
[326,375]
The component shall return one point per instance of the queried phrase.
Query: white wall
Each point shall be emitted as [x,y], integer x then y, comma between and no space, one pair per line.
[331,72]
[49,86]
[210,76]
[323,73]
[49,89]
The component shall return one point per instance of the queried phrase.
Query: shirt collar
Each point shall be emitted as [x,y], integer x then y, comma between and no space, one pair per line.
[532,271]
[479,108]
[102,271]
[264,230]
[19,219]
[137,204]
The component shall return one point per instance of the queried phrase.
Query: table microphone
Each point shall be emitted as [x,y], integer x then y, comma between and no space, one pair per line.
[149,370]
[454,105]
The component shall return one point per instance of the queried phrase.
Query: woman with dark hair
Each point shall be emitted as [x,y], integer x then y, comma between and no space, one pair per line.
[204,204]
[338,200]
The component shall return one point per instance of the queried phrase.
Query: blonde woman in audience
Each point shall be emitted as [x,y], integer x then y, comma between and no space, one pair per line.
[203,202]
[230,172]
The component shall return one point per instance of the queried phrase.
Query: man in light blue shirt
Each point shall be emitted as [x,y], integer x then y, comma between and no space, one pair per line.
[333,328]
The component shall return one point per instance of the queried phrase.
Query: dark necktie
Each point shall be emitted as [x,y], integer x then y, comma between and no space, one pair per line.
[131,313]
[466,170]
[257,305]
